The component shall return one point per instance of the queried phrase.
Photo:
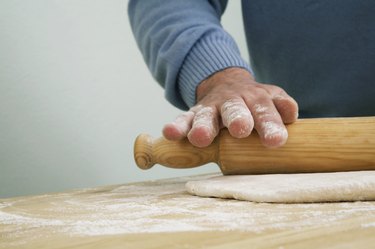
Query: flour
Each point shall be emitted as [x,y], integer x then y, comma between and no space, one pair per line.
[183,122]
[368,225]
[263,112]
[233,110]
[260,109]
[205,117]
[272,130]
[154,207]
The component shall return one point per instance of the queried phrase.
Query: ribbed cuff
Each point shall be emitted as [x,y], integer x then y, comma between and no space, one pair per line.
[212,53]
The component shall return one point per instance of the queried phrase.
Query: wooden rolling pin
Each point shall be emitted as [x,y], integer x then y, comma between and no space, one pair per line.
[314,145]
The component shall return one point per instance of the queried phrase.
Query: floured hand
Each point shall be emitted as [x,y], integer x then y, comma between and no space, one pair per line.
[232,98]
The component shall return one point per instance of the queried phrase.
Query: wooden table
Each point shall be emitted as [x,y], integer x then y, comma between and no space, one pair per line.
[161,214]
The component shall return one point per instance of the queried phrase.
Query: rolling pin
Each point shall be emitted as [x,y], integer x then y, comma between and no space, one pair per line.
[314,145]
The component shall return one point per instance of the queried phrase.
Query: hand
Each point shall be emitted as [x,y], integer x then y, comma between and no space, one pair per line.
[232,98]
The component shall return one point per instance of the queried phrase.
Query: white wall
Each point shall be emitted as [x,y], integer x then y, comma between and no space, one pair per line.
[74,94]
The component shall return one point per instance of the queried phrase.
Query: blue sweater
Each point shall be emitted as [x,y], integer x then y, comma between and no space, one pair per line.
[321,52]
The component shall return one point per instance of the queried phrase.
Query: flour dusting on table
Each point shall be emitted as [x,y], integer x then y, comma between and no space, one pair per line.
[160,206]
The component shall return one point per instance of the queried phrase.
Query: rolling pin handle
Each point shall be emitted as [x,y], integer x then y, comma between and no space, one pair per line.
[143,151]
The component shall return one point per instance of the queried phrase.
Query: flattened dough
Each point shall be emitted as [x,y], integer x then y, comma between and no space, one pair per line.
[289,188]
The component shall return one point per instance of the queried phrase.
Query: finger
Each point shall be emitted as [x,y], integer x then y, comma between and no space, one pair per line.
[180,127]
[286,106]
[237,117]
[268,123]
[205,127]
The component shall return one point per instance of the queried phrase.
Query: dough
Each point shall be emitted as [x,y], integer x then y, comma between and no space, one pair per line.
[289,188]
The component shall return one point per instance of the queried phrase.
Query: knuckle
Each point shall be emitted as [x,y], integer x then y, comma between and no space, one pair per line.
[276,88]
[261,93]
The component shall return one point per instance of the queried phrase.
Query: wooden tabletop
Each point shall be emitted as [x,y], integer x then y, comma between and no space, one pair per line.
[161,214]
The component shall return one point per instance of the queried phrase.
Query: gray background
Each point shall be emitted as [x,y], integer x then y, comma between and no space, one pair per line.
[74,94]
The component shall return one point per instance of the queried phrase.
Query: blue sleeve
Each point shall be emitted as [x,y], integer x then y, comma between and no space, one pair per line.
[183,43]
